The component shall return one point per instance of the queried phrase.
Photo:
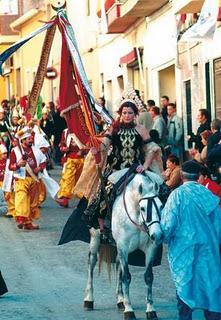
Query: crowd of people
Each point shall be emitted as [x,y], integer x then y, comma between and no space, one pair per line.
[142,137]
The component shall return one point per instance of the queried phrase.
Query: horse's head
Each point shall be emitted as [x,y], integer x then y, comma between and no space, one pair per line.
[149,205]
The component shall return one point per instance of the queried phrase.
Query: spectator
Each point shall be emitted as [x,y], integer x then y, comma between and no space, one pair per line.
[206,181]
[203,118]
[174,131]
[150,103]
[158,124]
[172,174]
[164,103]
[144,118]
[99,117]
[191,226]
[154,153]
[201,157]
[102,102]
[59,125]
[51,110]
[46,125]
[3,127]
[216,134]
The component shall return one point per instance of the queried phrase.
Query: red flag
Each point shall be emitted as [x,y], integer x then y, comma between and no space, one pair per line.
[70,100]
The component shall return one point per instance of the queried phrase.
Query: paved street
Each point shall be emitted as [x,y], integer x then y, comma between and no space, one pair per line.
[47,282]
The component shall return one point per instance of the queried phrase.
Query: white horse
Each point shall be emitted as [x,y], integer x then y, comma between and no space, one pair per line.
[135,225]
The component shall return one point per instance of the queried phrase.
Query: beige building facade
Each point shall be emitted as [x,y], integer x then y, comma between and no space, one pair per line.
[26,59]
[141,47]
[131,41]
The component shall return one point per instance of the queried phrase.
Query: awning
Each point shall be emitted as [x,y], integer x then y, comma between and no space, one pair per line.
[129,58]
[108,4]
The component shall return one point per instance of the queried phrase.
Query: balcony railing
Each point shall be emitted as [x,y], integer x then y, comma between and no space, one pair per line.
[189,6]
[32,4]
[122,14]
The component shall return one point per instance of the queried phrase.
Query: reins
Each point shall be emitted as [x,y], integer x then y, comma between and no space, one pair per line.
[144,227]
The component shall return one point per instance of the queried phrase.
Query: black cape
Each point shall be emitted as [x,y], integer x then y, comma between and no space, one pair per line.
[76,229]
[3,287]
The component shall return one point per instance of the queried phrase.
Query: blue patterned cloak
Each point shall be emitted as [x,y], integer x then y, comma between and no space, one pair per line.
[191,224]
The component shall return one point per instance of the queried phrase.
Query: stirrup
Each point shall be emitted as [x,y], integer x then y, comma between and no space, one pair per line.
[106,237]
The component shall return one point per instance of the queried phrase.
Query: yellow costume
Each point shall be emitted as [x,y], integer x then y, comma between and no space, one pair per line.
[27,199]
[26,161]
[72,168]
[71,173]
[42,191]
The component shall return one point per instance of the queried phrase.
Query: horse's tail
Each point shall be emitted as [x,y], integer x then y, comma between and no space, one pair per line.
[107,253]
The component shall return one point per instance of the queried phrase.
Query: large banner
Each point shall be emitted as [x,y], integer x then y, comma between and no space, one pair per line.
[206,24]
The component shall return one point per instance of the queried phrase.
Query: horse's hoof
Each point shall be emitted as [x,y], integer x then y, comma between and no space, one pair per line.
[120,306]
[129,315]
[151,315]
[88,305]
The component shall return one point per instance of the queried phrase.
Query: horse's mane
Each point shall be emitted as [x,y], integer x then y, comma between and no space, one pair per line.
[151,176]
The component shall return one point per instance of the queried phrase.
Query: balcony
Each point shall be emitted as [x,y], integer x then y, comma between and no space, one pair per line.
[141,8]
[122,14]
[31,4]
[189,6]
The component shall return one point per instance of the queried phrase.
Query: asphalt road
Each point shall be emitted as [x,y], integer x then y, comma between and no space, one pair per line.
[46,281]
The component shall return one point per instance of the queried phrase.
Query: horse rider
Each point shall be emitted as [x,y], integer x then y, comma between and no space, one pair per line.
[124,144]
[129,142]
[191,226]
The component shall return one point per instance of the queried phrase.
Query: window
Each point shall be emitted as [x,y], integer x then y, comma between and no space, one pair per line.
[9,7]
[88,9]
[208,84]
[217,84]
[188,109]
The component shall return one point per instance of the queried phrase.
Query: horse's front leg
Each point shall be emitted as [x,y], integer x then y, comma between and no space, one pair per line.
[119,290]
[148,277]
[92,260]
[126,279]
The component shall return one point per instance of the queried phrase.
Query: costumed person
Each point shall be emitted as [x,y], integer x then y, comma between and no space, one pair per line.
[72,167]
[191,227]
[9,195]
[26,161]
[3,128]
[47,126]
[125,145]
[46,183]
[3,211]
[127,140]
[3,287]
[15,121]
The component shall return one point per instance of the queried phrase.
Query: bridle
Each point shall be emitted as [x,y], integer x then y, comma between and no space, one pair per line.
[144,227]
[151,202]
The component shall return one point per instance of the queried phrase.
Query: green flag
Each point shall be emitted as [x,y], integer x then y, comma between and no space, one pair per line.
[39,108]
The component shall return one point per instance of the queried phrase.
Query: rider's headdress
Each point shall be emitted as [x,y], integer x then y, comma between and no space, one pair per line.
[130,95]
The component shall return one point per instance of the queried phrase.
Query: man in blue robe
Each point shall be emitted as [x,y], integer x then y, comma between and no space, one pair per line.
[191,224]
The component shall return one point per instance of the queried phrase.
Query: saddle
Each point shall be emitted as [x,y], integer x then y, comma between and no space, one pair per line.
[118,178]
